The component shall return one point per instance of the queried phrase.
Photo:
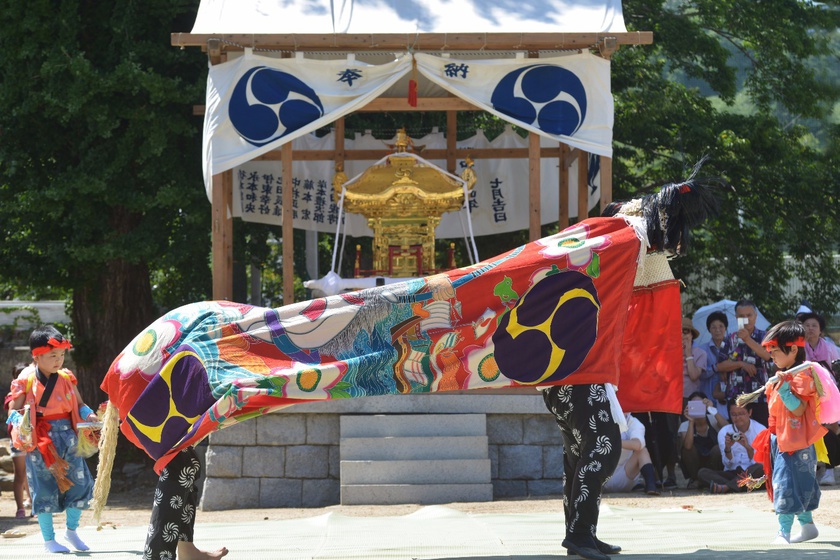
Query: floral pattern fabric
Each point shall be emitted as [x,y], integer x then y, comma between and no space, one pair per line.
[547,313]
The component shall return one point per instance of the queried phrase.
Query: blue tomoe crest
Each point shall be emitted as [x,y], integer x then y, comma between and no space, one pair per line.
[267,104]
[549,97]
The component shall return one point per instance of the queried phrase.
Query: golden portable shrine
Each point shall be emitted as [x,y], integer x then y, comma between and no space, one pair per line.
[403,198]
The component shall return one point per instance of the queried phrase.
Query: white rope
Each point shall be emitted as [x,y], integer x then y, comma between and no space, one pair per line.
[466,236]
[338,226]
[474,255]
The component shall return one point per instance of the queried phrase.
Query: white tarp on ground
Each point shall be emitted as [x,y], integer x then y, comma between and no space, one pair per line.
[409,16]
[499,200]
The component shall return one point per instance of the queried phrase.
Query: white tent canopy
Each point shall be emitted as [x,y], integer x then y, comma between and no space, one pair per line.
[726,306]
[531,62]
[408,16]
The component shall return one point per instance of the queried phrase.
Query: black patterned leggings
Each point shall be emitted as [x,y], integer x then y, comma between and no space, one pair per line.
[173,511]
[592,448]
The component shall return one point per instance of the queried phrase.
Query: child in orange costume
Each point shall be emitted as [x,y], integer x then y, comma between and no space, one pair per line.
[59,479]
[794,427]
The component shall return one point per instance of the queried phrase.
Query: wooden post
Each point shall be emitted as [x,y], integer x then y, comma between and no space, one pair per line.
[533,186]
[451,140]
[339,143]
[222,235]
[583,188]
[563,210]
[606,181]
[288,226]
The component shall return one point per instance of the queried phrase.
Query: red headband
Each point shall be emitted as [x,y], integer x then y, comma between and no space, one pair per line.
[775,342]
[52,344]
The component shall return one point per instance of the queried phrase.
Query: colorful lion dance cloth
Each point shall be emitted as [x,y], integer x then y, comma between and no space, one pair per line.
[549,312]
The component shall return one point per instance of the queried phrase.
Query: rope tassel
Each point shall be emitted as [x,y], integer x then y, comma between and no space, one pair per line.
[107,451]
[412,85]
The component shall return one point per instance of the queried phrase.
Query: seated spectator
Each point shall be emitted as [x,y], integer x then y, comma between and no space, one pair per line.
[717,350]
[634,460]
[736,450]
[661,442]
[746,369]
[818,349]
[698,439]
[695,373]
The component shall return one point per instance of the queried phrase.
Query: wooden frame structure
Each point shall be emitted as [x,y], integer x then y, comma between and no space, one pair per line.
[218,45]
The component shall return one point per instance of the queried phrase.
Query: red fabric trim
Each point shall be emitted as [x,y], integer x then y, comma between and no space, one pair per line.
[774,342]
[52,344]
[651,354]
[761,445]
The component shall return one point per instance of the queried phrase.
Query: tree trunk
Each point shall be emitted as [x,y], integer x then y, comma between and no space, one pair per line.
[107,314]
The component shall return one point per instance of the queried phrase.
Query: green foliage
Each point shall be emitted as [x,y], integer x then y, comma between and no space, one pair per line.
[99,152]
[755,72]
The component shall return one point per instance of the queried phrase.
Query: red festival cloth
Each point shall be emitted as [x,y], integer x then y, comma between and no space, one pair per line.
[651,351]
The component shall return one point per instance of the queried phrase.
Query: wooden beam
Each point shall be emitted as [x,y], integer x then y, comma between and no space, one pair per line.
[288,227]
[606,181]
[583,188]
[563,210]
[214,51]
[222,235]
[533,186]
[410,41]
[460,153]
[399,104]
[451,140]
[381,104]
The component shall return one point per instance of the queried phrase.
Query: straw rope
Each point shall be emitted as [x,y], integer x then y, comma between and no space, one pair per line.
[107,451]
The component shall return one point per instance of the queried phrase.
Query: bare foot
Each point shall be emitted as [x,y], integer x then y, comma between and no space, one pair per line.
[188,551]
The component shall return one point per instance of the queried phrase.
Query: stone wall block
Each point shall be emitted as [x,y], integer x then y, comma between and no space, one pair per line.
[545,487]
[280,493]
[520,462]
[264,461]
[509,489]
[281,429]
[321,493]
[244,433]
[225,493]
[224,461]
[493,453]
[335,461]
[504,428]
[307,461]
[322,429]
[553,461]
[541,429]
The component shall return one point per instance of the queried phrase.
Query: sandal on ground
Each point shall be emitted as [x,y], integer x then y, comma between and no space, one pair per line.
[12,534]
[716,488]
[21,514]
